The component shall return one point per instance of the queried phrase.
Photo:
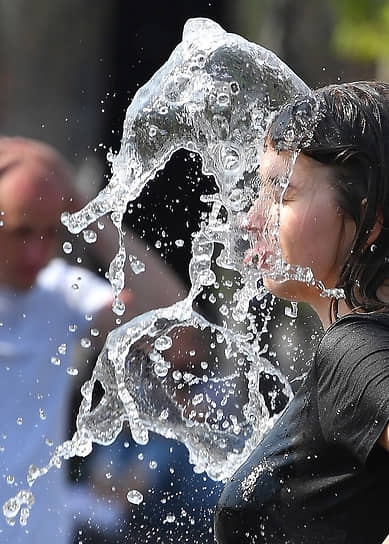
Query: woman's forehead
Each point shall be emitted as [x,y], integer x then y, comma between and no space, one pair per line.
[303,171]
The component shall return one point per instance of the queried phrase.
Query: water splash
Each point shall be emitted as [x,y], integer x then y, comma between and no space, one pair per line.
[214,96]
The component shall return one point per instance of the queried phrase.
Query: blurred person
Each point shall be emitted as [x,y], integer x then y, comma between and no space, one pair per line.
[46,307]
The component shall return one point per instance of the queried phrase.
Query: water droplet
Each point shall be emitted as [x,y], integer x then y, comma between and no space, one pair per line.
[137,266]
[161,368]
[197,399]
[179,242]
[224,309]
[67,247]
[24,514]
[19,421]
[163,343]
[72,327]
[170,518]
[235,89]
[134,496]
[223,99]
[72,371]
[42,414]
[153,465]
[90,236]
[62,349]
[85,342]
[153,131]
[164,414]
[94,332]
[118,307]
[10,479]
[55,361]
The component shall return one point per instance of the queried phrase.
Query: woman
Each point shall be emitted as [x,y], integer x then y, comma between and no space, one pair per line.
[321,475]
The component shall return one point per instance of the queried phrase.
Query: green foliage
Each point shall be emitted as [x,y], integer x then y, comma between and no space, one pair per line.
[361,29]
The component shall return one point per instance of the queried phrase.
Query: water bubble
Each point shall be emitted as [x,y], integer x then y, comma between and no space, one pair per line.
[72,327]
[42,414]
[179,242]
[72,371]
[67,247]
[134,496]
[94,332]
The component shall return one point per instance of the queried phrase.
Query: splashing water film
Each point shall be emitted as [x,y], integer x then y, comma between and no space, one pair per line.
[171,371]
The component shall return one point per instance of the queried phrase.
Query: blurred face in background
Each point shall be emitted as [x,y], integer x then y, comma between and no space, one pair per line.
[31,202]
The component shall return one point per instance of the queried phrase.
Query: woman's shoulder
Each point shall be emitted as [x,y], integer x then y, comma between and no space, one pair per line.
[355,335]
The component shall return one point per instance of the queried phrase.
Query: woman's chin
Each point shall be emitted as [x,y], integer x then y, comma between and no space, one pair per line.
[291,290]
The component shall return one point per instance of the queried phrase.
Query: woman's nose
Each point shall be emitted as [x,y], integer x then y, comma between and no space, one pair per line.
[255,217]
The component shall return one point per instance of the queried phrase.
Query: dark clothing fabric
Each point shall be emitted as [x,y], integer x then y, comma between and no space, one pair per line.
[318,476]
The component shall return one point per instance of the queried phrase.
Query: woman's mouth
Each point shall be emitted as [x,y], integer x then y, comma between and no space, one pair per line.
[257,256]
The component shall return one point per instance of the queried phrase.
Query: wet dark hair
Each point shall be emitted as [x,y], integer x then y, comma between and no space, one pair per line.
[346,126]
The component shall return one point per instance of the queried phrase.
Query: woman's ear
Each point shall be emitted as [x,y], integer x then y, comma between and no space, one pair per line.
[376,230]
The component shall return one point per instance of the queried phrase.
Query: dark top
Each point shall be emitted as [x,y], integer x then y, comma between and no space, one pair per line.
[318,476]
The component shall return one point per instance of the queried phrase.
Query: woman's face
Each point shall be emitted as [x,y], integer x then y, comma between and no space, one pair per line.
[313,231]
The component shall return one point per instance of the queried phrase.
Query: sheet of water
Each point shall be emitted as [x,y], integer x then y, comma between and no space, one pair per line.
[214,96]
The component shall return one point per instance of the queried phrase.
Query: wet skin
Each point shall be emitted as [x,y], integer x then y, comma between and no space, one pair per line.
[313,231]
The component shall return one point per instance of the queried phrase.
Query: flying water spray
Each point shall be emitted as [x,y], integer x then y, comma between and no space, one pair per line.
[214,97]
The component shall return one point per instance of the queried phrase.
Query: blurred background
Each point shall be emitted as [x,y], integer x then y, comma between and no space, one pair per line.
[68,71]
